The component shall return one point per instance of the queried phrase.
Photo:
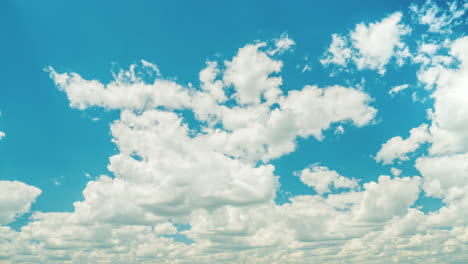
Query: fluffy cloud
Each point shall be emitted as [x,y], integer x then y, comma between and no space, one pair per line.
[16,199]
[282,44]
[450,113]
[261,133]
[395,172]
[185,193]
[397,147]
[441,174]
[339,51]
[115,95]
[249,72]
[388,198]
[2,135]
[209,179]
[446,177]
[322,179]
[370,46]
[157,156]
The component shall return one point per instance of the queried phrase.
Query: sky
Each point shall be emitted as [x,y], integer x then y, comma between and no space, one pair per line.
[233,132]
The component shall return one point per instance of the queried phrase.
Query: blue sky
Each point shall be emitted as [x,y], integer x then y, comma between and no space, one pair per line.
[347,129]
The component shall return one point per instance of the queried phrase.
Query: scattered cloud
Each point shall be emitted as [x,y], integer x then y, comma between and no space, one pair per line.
[179,194]
[397,147]
[370,46]
[395,172]
[439,19]
[323,180]
[398,89]
[16,199]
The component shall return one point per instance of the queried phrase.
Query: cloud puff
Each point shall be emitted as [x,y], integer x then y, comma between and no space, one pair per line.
[16,199]
[370,46]
[388,198]
[115,95]
[322,179]
[397,147]
[249,72]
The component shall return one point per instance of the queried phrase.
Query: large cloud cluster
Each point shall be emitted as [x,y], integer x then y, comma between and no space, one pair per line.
[201,193]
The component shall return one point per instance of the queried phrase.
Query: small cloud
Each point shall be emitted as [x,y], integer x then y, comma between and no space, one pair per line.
[2,135]
[339,130]
[398,89]
[57,181]
[395,172]
[151,66]
[306,68]
[282,44]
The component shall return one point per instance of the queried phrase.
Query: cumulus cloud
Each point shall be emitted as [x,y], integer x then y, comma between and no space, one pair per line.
[370,46]
[16,199]
[84,93]
[449,116]
[250,73]
[323,180]
[211,179]
[397,147]
[443,173]
[387,198]
[339,51]
[185,193]
[2,135]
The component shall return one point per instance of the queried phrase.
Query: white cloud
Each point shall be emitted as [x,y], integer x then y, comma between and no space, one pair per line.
[282,44]
[377,42]
[387,198]
[216,180]
[258,133]
[323,180]
[397,147]
[450,113]
[16,199]
[439,20]
[202,177]
[441,174]
[339,51]
[87,93]
[395,172]
[209,82]
[249,72]
[165,171]
[398,89]
[370,46]
[339,130]
[446,177]
[166,228]
[2,135]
